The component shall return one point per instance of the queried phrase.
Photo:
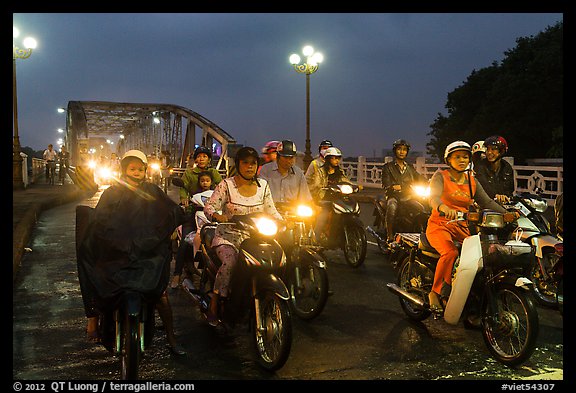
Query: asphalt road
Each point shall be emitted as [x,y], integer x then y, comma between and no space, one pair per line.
[362,335]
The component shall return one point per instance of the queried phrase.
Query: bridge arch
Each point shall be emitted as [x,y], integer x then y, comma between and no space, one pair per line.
[153,128]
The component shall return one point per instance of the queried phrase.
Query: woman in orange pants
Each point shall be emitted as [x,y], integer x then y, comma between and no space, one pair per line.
[452,190]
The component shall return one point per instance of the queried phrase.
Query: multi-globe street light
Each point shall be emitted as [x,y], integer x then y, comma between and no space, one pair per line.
[18,53]
[310,66]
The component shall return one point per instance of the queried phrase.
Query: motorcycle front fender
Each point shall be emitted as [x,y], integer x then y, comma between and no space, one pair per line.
[469,264]
[313,257]
[273,283]
[132,303]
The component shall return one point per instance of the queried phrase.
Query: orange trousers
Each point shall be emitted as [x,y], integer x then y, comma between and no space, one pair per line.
[441,236]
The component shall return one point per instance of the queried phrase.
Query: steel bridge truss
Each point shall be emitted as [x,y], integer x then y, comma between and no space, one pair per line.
[153,128]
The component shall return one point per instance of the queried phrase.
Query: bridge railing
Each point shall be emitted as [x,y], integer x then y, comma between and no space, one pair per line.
[526,177]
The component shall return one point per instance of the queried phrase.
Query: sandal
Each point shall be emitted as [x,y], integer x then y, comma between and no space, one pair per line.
[175,281]
[437,303]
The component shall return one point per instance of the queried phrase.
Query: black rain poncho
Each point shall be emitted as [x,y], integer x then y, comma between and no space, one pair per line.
[124,244]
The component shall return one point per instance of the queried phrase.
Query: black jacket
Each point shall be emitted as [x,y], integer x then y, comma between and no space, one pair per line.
[125,244]
[391,175]
[500,182]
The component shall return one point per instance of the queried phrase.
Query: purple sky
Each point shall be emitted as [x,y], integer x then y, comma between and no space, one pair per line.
[384,76]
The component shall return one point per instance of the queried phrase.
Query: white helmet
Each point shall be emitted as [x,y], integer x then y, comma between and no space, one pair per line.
[456,146]
[332,151]
[136,153]
[478,147]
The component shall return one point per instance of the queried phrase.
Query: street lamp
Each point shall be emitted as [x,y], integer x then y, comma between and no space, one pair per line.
[310,66]
[18,53]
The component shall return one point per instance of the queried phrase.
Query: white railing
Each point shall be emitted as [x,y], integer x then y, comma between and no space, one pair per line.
[526,177]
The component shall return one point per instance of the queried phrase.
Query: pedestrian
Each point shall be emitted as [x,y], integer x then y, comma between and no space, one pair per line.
[50,156]
[64,161]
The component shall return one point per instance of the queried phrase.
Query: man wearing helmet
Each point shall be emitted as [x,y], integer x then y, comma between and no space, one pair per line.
[496,174]
[318,161]
[397,177]
[240,194]
[202,157]
[127,245]
[286,180]
[451,190]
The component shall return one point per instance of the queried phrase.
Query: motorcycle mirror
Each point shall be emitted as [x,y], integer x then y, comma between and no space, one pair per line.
[178,182]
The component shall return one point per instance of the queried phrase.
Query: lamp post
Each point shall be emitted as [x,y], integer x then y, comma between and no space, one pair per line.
[310,66]
[18,53]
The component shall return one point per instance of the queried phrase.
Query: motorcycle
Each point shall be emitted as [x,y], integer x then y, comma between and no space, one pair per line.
[534,229]
[258,296]
[126,324]
[305,274]
[487,284]
[155,174]
[345,229]
[411,216]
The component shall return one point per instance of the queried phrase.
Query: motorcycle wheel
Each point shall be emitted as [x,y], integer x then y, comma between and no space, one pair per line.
[544,290]
[355,243]
[511,334]
[274,341]
[309,298]
[129,348]
[413,283]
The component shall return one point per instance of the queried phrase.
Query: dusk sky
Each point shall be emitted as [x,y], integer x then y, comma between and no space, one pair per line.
[384,76]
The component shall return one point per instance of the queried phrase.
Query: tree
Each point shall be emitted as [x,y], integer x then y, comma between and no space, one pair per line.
[521,99]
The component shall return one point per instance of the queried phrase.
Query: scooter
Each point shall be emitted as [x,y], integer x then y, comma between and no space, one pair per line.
[487,284]
[305,274]
[534,229]
[345,229]
[258,296]
[411,216]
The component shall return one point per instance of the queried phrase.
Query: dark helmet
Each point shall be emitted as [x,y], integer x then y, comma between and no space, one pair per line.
[202,149]
[286,148]
[400,142]
[498,141]
[324,143]
[244,153]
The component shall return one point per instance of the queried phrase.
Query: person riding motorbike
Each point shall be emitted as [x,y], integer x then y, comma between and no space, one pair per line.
[286,180]
[126,245]
[317,161]
[397,177]
[244,193]
[202,162]
[452,191]
[269,153]
[496,174]
[327,174]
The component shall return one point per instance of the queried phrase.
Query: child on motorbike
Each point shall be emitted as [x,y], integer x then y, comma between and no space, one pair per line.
[243,193]
[202,159]
[452,191]
[205,182]
[126,245]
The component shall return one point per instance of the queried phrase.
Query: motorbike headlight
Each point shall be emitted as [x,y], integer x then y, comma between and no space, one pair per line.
[422,191]
[346,189]
[155,166]
[92,164]
[492,220]
[266,226]
[304,211]
[104,173]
